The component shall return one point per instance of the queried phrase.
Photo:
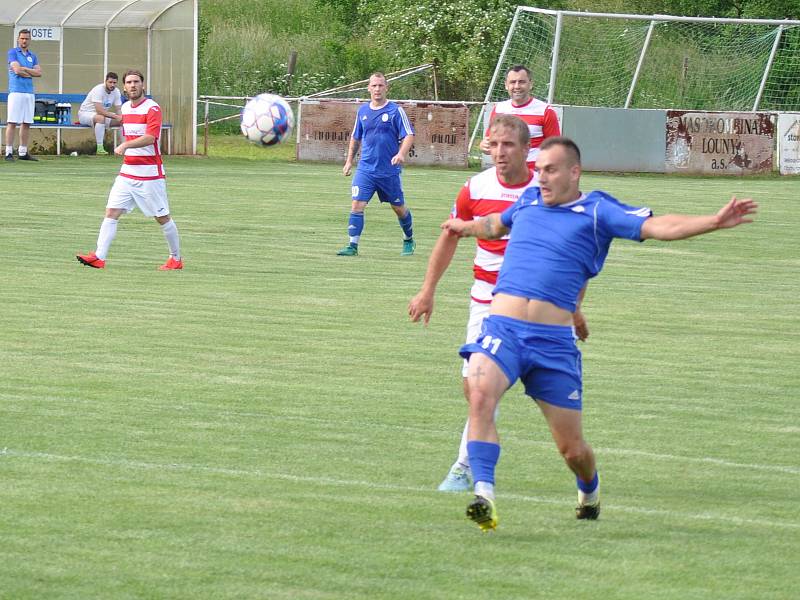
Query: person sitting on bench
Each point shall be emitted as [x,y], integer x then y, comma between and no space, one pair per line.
[96,110]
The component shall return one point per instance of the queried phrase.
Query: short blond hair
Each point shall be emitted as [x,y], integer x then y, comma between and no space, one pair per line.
[513,123]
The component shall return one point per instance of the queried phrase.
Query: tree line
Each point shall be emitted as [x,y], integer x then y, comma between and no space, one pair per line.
[246,45]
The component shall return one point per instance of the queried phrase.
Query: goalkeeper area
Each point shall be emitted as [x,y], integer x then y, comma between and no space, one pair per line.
[267,423]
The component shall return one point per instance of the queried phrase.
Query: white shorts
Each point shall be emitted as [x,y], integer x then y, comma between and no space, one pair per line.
[20,107]
[149,195]
[87,118]
[478,311]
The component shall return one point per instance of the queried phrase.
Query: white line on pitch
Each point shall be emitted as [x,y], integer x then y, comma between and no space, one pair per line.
[6,452]
[548,444]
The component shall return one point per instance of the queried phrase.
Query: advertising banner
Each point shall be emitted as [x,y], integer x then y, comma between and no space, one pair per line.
[719,143]
[440,138]
[789,143]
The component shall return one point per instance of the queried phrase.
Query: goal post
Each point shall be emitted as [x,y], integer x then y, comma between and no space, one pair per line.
[653,61]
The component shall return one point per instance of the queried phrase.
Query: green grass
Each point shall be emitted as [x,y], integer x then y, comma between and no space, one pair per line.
[262,34]
[268,424]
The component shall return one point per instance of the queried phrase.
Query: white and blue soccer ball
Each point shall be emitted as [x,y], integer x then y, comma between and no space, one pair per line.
[267,119]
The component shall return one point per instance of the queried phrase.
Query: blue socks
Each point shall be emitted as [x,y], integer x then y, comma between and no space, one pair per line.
[355,227]
[588,488]
[407,225]
[483,457]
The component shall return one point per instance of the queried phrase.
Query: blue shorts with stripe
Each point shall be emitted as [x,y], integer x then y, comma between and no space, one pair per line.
[545,357]
[389,188]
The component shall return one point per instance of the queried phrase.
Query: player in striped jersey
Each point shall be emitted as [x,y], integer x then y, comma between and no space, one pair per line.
[141,181]
[541,118]
[491,191]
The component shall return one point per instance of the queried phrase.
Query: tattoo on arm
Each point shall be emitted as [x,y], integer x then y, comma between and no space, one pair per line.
[487,227]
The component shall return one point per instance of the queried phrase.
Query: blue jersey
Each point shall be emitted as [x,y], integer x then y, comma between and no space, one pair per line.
[380,131]
[554,250]
[16,83]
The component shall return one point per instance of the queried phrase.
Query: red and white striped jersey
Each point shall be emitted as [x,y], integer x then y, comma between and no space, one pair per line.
[541,119]
[483,195]
[143,119]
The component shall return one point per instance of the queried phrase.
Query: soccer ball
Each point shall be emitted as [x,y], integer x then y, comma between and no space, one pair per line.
[267,119]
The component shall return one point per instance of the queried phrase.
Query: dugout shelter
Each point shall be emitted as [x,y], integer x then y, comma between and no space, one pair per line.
[79,41]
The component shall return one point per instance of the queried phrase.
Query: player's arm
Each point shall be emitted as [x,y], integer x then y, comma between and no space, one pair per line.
[139,142]
[484,144]
[351,154]
[116,111]
[34,71]
[550,127]
[578,319]
[489,227]
[101,110]
[679,227]
[19,69]
[421,305]
[405,146]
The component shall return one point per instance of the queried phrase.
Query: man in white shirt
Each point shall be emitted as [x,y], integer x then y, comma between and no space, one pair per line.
[96,110]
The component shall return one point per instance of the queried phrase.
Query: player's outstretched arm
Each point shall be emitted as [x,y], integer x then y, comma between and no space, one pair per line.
[489,227]
[679,227]
[421,305]
[736,212]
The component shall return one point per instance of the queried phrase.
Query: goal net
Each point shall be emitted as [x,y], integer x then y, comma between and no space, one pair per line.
[654,61]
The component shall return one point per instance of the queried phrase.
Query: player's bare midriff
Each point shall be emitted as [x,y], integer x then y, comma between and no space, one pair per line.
[526,309]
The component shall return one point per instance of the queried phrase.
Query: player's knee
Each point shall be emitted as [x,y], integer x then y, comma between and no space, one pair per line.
[574,450]
[480,402]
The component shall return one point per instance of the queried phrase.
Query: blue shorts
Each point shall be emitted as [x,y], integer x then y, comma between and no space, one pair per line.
[545,357]
[389,188]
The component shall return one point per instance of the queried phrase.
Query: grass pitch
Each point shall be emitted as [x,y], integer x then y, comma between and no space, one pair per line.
[268,424]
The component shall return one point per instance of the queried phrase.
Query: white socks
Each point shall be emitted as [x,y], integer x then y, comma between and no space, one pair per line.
[108,229]
[591,499]
[99,132]
[485,489]
[170,231]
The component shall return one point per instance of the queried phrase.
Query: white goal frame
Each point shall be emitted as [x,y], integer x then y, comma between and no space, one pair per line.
[779,25]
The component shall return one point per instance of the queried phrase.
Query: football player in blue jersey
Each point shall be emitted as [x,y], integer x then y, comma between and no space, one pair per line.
[560,238]
[385,135]
[23,66]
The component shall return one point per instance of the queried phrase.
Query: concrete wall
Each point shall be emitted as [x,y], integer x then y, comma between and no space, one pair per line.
[617,139]
[612,139]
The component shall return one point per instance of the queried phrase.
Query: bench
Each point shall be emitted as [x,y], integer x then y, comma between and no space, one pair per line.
[76,99]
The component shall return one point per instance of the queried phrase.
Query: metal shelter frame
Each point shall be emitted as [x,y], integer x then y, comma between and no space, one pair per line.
[105,15]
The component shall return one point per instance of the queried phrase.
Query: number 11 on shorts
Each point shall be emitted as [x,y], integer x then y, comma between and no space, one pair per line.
[493,342]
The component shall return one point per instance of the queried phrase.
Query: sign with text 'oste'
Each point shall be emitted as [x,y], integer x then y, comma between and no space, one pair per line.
[40,33]
[440,131]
